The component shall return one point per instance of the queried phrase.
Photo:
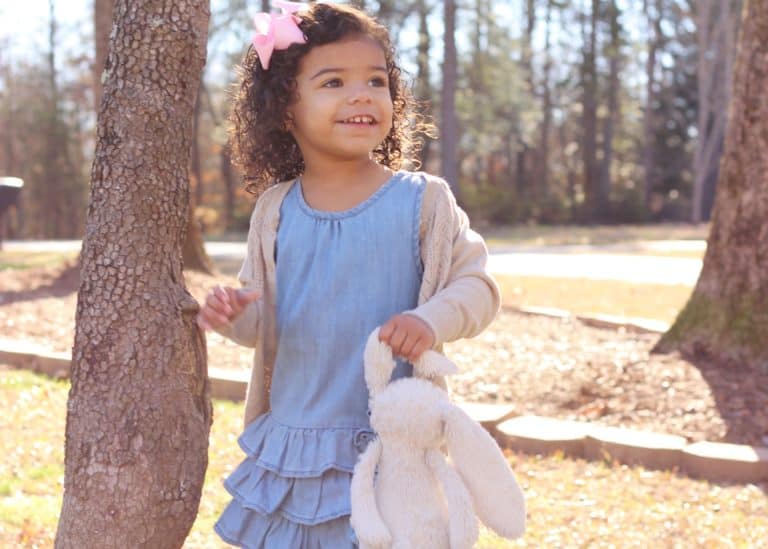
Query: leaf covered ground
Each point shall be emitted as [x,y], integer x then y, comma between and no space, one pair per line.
[571,503]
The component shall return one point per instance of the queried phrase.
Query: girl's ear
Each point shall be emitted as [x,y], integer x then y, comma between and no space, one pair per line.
[496,495]
[288,122]
[378,363]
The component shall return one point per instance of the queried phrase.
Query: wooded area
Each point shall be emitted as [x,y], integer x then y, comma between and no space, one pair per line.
[549,111]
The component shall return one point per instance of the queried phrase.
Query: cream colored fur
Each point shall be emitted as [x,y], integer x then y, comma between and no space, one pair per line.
[404,493]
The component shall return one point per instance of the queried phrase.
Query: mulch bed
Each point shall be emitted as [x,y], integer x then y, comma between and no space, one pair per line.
[538,365]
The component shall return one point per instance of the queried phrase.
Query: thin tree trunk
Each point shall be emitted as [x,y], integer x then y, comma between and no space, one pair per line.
[725,317]
[193,251]
[139,412]
[649,118]
[449,138]
[52,179]
[613,103]
[228,178]
[589,120]
[716,27]
[546,123]
[423,84]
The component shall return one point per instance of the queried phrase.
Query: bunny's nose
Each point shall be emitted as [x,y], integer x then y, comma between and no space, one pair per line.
[362,438]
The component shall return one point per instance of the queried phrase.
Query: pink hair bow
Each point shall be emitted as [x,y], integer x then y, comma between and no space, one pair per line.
[277,31]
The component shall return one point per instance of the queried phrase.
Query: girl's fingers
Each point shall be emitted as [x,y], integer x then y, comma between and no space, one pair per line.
[223,297]
[386,331]
[213,318]
[215,304]
[244,297]
[406,349]
[396,340]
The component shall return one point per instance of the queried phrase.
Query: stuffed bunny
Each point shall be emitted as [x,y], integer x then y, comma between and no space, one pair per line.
[404,494]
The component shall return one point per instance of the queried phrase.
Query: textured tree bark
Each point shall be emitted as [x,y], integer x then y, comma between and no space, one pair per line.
[726,317]
[139,411]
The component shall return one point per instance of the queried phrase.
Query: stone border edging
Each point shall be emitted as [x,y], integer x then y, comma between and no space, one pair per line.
[713,461]
[641,325]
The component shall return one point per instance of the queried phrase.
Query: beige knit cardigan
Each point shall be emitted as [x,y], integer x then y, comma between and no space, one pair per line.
[457,298]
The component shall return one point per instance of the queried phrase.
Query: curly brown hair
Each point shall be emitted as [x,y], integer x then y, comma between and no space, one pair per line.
[262,148]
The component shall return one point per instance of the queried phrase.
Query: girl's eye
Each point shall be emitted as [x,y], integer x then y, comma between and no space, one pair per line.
[378,82]
[332,83]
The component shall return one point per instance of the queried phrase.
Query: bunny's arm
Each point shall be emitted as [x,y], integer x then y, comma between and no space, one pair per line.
[462,523]
[365,519]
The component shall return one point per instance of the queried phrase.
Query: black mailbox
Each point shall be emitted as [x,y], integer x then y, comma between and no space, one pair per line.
[9,192]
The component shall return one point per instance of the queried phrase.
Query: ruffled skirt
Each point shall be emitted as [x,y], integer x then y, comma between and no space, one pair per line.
[292,489]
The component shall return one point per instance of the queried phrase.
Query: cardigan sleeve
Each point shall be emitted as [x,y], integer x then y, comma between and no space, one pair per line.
[469,299]
[244,329]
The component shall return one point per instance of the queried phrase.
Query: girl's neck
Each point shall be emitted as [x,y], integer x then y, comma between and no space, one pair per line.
[342,186]
[339,175]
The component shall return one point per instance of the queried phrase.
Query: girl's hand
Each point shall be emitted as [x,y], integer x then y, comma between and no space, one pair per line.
[408,336]
[223,305]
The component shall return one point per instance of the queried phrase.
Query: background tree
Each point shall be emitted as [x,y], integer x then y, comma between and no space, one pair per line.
[726,317]
[139,411]
[564,112]
[449,127]
[716,29]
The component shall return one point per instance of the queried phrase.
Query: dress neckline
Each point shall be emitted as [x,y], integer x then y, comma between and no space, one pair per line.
[323,214]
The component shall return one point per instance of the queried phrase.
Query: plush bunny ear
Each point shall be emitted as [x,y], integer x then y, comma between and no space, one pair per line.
[432,364]
[378,363]
[496,495]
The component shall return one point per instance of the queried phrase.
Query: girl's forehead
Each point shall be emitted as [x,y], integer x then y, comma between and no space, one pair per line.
[349,53]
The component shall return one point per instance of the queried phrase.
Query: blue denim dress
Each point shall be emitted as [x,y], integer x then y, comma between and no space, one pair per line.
[339,276]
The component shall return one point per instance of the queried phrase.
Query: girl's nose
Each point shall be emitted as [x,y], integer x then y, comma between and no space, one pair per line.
[359,94]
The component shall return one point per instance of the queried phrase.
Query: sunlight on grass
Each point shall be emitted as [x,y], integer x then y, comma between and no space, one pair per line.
[570,503]
[544,235]
[28,260]
[582,296]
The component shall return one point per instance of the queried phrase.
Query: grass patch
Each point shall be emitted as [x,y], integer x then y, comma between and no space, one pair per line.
[571,503]
[583,296]
[27,260]
[561,235]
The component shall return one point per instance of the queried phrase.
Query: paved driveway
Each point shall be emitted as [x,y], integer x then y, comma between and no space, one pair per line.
[594,262]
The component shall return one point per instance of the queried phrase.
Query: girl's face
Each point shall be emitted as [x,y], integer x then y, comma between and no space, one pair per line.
[343,108]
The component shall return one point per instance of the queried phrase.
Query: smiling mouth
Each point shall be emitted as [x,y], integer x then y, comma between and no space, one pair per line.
[361,120]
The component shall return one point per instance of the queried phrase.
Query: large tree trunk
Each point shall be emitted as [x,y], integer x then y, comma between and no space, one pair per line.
[139,411]
[449,130]
[726,317]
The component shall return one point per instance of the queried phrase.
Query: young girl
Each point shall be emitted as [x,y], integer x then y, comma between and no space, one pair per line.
[345,243]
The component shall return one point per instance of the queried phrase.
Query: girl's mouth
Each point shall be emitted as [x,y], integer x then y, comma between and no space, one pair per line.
[363,119]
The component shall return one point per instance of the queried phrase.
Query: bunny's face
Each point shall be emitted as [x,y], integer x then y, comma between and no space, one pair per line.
[410,409]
